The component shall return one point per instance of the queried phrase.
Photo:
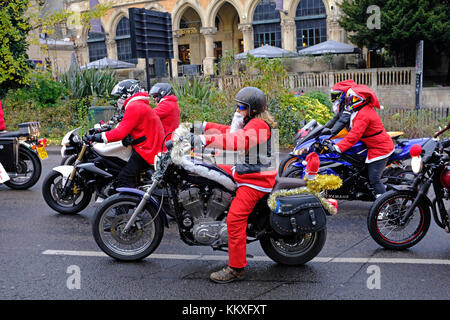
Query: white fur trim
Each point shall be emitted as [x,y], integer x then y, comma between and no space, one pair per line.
[380,157]
[137,99]
[181,156]
[104,137]
[255,187]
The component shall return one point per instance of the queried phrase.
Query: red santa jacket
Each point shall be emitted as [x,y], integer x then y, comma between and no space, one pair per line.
[366,126]
[169,113]
[2,120]
[139,120]
[255,132]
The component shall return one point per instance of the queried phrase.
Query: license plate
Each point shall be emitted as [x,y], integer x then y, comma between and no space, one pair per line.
[42,153]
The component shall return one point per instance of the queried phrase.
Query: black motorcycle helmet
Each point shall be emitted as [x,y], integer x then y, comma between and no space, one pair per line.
[160,90]
[126,88]
[253,98]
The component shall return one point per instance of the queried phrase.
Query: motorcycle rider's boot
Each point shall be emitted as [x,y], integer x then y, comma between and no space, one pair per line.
[227,275]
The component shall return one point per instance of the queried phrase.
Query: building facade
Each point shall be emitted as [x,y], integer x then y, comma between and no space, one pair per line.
[203,30]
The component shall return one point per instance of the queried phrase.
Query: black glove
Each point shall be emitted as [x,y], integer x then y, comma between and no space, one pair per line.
[97,137]
[328,147]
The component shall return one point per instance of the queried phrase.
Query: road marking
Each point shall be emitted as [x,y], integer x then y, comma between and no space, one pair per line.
[254,258]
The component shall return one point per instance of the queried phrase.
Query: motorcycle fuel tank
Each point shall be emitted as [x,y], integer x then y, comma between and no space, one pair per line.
[113,149]
[445,178]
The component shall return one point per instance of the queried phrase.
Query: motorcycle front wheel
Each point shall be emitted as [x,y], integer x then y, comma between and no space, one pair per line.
[139,241]
[28,170]
[293,250]
[76,200]
[385,215]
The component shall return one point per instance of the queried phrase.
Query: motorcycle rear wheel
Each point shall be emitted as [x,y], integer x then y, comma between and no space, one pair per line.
[29,168]
[52,188]
[294,251]
[139,242]
[385,214]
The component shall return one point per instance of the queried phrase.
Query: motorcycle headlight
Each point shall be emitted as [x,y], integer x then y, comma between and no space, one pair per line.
[416,164]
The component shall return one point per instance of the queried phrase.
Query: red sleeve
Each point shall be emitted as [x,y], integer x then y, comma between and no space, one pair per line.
[255,132]
[163,110]
[129,121]
[360,123]
[212,128]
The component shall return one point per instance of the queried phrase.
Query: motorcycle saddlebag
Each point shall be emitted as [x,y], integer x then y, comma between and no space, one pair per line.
[9,153]
[302,213]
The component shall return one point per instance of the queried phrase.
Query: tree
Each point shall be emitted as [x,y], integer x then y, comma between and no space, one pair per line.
[14,69]
[402,24]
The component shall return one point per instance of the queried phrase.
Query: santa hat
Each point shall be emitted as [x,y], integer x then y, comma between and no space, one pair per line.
[312,163]
[343,85]
[365,92]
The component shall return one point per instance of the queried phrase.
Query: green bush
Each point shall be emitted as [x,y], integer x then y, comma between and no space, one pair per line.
[44,90]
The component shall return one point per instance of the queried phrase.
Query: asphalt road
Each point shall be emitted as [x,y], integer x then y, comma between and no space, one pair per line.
[48,256]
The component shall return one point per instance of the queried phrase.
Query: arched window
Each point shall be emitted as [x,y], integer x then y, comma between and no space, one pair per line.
[123,41]
[266,24]
[96,45]
[311,23]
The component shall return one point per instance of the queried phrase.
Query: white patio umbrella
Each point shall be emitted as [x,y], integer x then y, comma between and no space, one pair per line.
[329,46]
[108,63]
[267,51]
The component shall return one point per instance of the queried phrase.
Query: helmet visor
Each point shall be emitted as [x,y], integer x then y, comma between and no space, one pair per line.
[352,102]
[336,96]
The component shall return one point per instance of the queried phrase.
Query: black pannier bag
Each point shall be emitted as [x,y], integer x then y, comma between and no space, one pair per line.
[296,214]
[9,153]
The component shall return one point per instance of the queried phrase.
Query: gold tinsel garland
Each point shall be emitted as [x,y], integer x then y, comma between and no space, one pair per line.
[315,186]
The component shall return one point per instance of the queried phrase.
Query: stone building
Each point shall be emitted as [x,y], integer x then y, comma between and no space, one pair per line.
[203,30]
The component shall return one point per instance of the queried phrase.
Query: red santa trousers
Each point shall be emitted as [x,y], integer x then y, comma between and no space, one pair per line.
[241,207]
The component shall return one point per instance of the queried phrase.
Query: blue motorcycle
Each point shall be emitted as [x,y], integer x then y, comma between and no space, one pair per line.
[350,166]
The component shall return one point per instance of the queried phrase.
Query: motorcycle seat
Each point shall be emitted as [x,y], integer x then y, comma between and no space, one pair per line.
[14,134]
[288,183]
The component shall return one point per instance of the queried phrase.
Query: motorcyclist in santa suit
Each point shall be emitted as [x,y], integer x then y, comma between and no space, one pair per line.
[166,107]
[140,127]
[250,131]
[366,125]
[341,118]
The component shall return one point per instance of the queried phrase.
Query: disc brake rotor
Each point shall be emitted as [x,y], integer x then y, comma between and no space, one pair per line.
[131,236]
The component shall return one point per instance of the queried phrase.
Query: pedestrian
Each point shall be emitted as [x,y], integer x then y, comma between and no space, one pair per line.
[166,107]
[366,125]
[251,131]
[140,127]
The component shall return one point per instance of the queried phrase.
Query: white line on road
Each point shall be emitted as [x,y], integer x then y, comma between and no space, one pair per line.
[254,258]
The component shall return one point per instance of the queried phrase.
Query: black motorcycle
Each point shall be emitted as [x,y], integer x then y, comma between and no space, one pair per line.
[129,225]
[400,218]
[21,153]
[68,189]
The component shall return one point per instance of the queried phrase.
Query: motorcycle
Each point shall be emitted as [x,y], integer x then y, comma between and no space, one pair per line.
[129,225]
[70,149]
[68,189]
[22,152]
[400,218]
[350,165]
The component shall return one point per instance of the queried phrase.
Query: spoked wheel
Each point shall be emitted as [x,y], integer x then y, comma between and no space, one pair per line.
[384,219]
[294,250]
[139,241]
[27,172]
[76,199]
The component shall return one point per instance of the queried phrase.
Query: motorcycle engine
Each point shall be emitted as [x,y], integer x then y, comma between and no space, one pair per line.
[204,208]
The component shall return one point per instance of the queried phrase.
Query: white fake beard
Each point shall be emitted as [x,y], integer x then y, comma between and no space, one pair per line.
[237,123]
[336,106]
